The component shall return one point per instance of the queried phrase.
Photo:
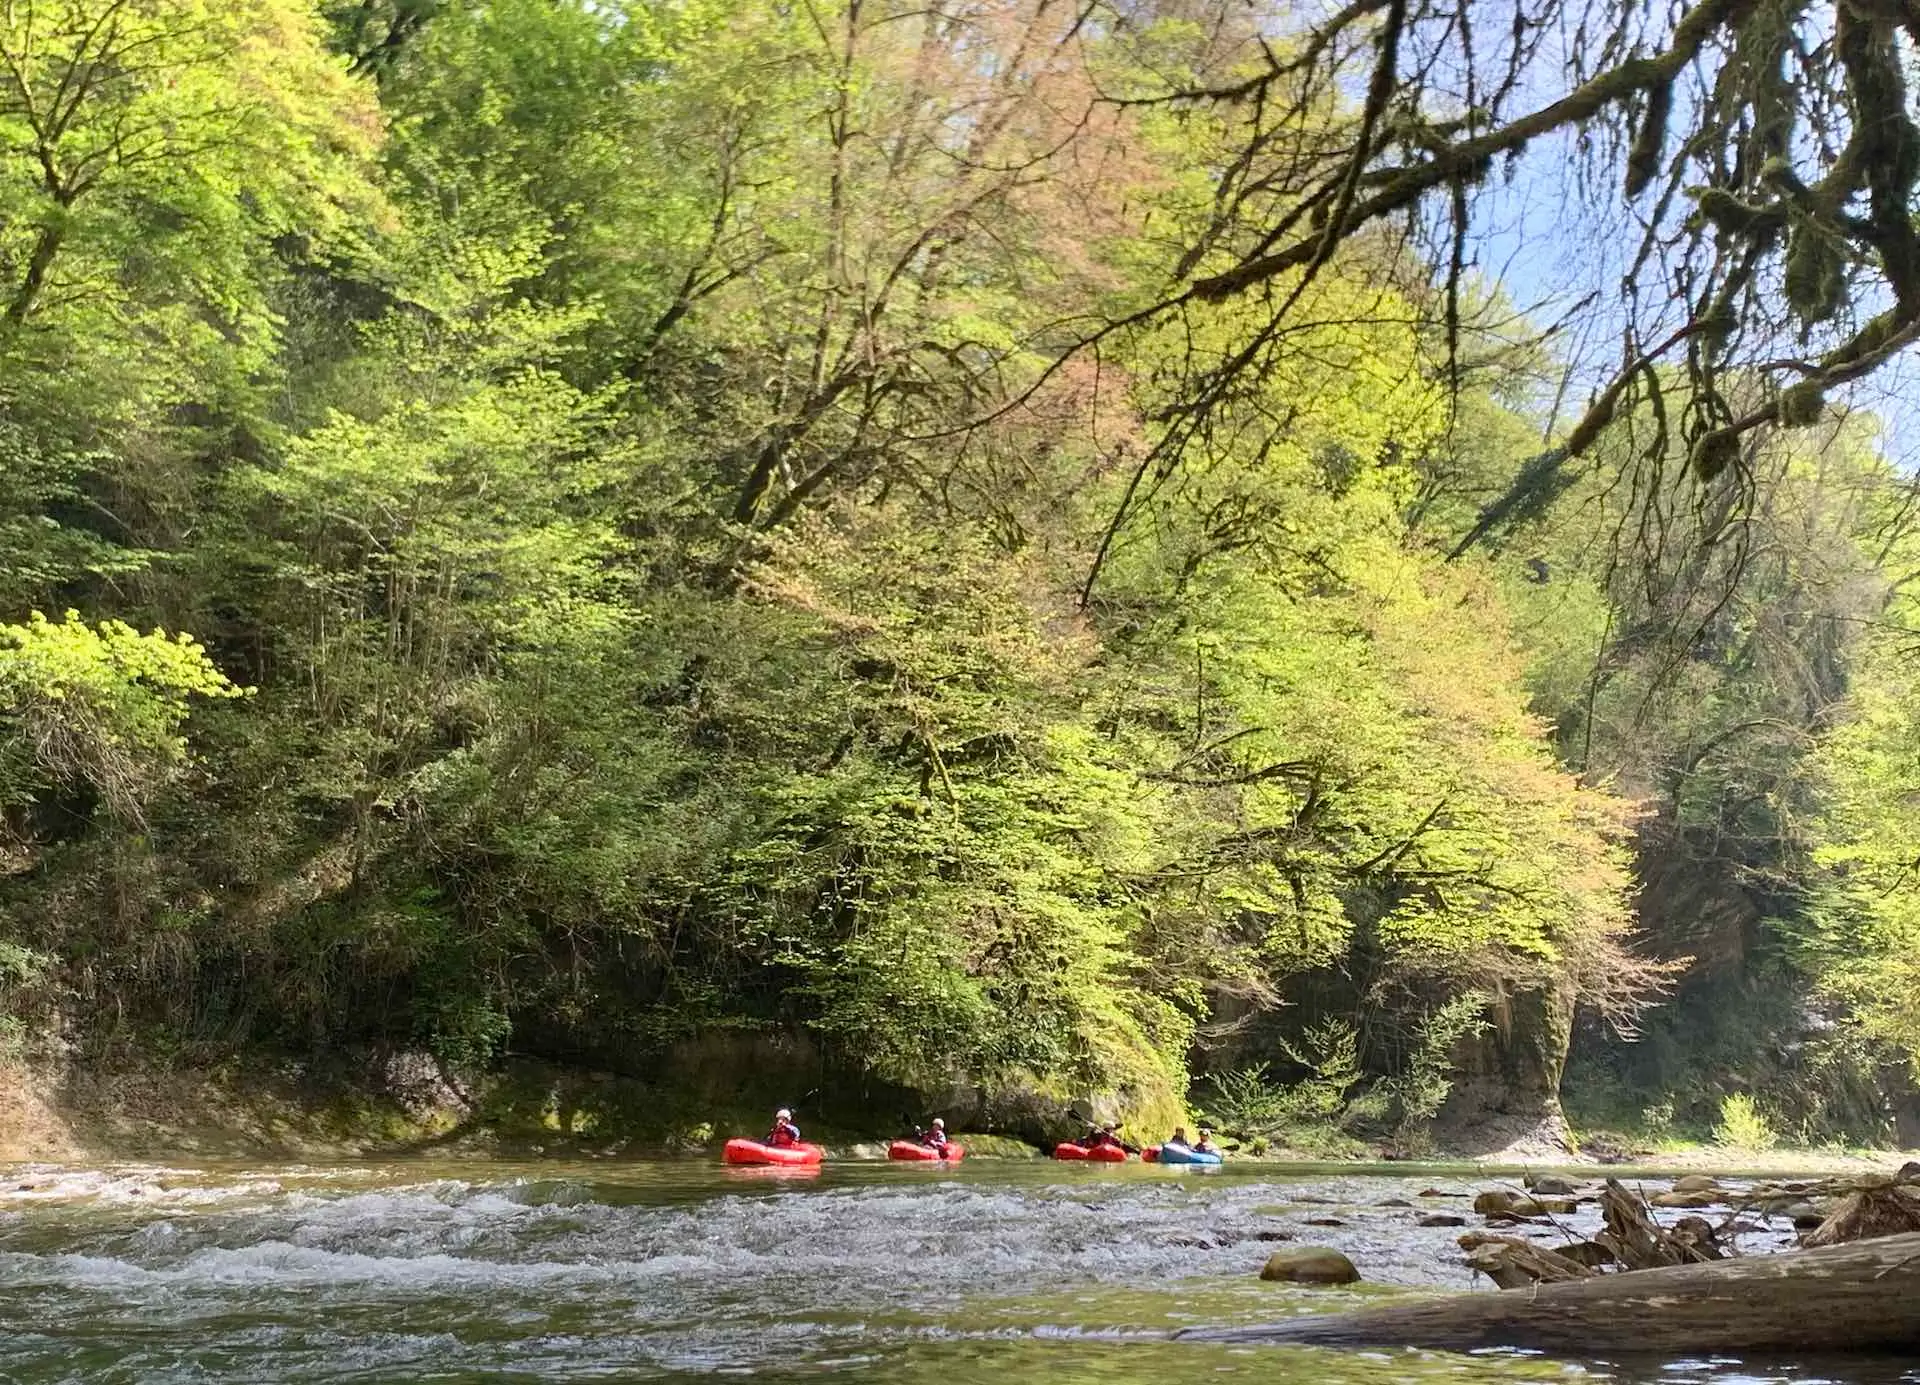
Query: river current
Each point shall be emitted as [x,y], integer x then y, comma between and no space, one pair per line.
[1009,1272]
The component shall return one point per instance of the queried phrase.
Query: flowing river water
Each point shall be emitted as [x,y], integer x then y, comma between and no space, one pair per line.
[1010,1272]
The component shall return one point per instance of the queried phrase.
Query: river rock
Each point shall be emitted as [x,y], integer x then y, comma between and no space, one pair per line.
[1442,1219]
[1394,1202]
[1696,1183]
[1804,1216]
[1309,1265]
[1323,1221]
[1496,1202]
[1550,1185]
[1680,1199]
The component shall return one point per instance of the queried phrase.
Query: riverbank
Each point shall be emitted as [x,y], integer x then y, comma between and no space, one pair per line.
[406,1106]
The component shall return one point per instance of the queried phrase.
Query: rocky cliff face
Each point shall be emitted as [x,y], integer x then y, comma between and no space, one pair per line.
[1506,1094]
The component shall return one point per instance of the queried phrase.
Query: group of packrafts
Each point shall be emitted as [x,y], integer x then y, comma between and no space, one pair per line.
[1100,1145]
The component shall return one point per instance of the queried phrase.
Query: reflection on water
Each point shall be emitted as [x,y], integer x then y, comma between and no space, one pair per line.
[470,1272]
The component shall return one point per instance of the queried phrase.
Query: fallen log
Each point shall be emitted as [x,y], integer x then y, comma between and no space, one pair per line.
[1641,1243]
[1859,1297]
[1512,1263]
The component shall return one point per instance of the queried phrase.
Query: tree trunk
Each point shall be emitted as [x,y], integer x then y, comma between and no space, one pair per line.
[1859,1297]
[39,264]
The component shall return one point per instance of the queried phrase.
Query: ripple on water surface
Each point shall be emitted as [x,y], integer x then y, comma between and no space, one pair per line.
[657,1272]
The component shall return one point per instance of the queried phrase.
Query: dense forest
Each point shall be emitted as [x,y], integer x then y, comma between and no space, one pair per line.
[1018,549]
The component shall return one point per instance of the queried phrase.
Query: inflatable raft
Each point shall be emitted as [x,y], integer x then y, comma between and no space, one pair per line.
[911,1150]
[1176,1154]
[753,1152]
[1099,1154]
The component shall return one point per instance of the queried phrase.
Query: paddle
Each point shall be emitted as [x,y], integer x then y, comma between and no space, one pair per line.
[922,1137]
[1083,1113]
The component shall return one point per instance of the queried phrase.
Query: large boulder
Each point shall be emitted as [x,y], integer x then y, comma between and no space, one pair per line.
[1309,1265]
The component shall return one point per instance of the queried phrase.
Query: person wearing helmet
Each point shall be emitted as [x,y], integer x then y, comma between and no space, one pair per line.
[935,1138]
[1205,1144]
[1108,1134]
[784,1133]
[1178,1139]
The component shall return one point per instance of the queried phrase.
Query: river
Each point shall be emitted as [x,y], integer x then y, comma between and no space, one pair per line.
[1009,1272]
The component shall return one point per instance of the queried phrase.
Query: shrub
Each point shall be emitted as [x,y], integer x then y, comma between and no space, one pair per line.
[1743,1125]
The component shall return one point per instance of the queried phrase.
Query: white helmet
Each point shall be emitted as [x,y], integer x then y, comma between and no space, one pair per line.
[939,1124]
[783,1114]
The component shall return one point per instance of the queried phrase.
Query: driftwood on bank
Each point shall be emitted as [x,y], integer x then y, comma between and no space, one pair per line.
[1859,1297]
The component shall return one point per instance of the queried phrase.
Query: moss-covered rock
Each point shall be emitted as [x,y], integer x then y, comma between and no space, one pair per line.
[1309,1265]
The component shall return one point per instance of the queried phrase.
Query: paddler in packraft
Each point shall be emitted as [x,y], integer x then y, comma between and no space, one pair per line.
[1108,1134]
[935,1138]
[785,1134]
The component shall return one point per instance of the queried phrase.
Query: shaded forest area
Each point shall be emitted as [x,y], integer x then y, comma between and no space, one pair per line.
[1013,546]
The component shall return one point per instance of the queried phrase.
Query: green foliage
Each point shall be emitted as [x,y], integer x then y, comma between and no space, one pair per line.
[1691,656]
[21,967]
[1248,1104]
[96,705]
[691,587]
[1241,1101]
[1424,1083]
[1862,937]
[1743,1125]
[151,153]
